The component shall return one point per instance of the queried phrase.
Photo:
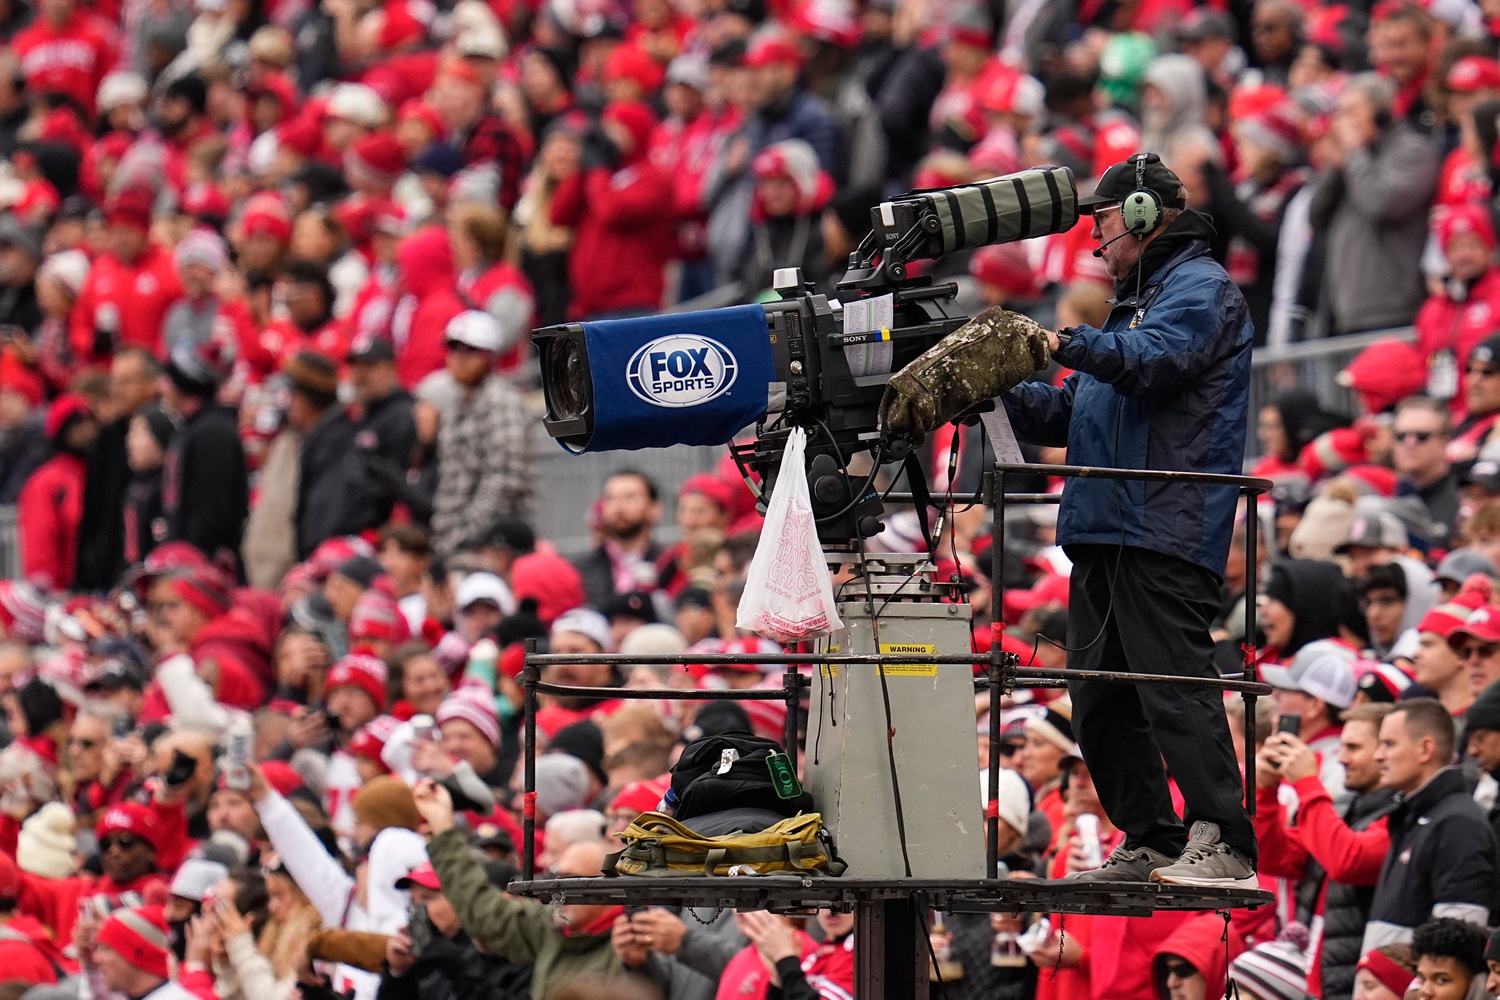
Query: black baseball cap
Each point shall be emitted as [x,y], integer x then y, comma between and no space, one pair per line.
[1119,180]
[371,348]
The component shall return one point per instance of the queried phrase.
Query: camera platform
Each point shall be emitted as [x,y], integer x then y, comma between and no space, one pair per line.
[796,893]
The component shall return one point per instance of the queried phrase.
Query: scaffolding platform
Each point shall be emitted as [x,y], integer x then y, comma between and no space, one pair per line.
[801,894]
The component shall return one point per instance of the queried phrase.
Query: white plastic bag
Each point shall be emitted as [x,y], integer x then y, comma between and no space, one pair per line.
[788,592]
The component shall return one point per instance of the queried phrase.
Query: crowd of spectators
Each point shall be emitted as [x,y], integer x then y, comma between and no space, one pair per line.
[268,414]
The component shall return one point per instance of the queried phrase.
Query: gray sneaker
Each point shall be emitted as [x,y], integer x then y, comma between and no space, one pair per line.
[1124,866]
[1208,862]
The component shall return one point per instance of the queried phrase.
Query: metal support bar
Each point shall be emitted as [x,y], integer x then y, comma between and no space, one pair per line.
[887,949]
[531,679]
[792,684]
[1252,553]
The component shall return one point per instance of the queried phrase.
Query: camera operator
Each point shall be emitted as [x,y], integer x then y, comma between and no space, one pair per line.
[1164,384]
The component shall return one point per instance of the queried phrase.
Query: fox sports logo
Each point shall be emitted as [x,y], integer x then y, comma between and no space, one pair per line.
[683,369]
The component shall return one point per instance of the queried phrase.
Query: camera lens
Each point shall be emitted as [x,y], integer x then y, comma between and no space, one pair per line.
[566,379]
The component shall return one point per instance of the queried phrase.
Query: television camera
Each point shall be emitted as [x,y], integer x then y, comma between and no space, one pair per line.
[808,360]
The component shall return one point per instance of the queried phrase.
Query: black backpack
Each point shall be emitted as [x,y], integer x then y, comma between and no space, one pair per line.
[700,788]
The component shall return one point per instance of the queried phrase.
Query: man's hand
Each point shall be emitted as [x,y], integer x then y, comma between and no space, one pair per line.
[259,786]
[428,758]
[1297,759]
[435,805]
[231,922]
[200,946]
[85,933]
[1053,343]
[627,943]
[1267,774]
[398,953]
[660,930]
[307,729]
[771,935]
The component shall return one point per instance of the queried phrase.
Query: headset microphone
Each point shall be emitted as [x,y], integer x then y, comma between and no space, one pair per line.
[1100,252]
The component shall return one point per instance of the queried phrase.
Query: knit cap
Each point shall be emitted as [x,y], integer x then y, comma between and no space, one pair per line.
[47,844]
[364,671]
[377,616]
[386,802]
[197,877]
[140,936]
[476,706]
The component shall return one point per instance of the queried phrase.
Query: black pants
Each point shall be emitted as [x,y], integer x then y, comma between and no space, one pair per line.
[1158,624]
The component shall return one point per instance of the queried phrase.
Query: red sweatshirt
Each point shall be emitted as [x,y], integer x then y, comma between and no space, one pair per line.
[49,512]
[133,299]
[1349,856]
[70,59]
[624,233]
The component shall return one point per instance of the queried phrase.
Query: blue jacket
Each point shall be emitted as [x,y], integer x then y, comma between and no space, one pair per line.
[1172,393]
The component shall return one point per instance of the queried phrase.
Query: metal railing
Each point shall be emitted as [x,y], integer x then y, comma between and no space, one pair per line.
[10,544]
[1314,365]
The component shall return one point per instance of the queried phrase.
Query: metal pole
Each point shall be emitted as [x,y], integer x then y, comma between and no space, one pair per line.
[997,606]
[531,676]
[1252,550]
[793,692]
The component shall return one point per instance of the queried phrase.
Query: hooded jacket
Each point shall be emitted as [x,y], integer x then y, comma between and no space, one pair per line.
[1374,211]
[1199,942]
[1180,80]
[205,484]
[1164,385]
[425,263]
[517,930]
[49,514]
[1319,596]
[623,221]
[28,952]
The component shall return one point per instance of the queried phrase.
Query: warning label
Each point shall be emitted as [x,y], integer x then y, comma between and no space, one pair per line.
[909,649]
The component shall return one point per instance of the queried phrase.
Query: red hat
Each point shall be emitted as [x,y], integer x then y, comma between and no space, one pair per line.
[475,705]
[1245,101]
[333,553]
[1331,453]
[1277,128]
[636,116]
[401,27]
[827,21]
[280,88]
[267,215]
[796,161]
[63,409]
[1466,220]
[424,875]
[61,126]
[773,49]
[1444,618]
[378,154]
[1482,624]
[1005,266]
[370,739]
[361,670]
[1474,73]
[140,936]
[1383,677]
[377,616]
[204,588]
[461,70]
[718,492]
[1385,373]
[641,796]
[205,200]
[170,556]
[132,818]
[550,580]
[280,776]
[1391,974]
[630,62]
[23,381]
[417,109]
[131,207]
[1004,90]
[1050,589]
[303,136]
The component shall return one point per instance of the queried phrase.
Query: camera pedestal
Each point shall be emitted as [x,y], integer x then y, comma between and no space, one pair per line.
[897,609]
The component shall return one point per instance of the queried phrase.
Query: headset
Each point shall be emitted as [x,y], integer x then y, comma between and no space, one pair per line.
[1141,208]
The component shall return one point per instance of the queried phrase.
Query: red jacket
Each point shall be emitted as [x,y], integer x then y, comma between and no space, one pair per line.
[27,951]
[1353,857]
[1198,940]
[133,298]
[49,513]
[425,263]
[503,291]
[71,59]
[1445,324]
[624,234]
